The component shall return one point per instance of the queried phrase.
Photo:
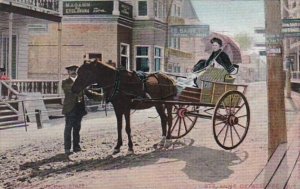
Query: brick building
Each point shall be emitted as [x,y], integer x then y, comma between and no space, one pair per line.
[130,33]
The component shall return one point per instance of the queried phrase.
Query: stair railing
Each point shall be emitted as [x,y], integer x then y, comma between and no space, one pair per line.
[10,90]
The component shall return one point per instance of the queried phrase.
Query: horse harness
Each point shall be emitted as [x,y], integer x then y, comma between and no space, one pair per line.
[143,77]
[116,86]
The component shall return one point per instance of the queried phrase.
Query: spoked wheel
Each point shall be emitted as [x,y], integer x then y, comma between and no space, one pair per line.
[231,120]
[184,118]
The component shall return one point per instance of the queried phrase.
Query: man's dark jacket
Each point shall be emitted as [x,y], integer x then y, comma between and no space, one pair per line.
[72,99]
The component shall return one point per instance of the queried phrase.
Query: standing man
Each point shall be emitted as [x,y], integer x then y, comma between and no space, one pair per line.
[74,110]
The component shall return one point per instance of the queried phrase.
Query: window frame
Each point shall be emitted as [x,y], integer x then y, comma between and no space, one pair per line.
[161,58]
[127,55]
[138,10]
[142,56]
[159,10]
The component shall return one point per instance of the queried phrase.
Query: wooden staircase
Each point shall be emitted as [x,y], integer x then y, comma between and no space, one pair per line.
[190,94]
[8,117]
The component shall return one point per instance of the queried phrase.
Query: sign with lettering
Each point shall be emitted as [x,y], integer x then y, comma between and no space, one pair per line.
[125,9]
[87,7]
[273,39]
[291,27]
[189,30]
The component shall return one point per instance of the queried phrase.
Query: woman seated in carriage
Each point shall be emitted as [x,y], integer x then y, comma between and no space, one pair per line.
[218,61]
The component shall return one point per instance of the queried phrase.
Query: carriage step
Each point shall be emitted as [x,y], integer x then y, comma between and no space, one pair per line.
[188,98]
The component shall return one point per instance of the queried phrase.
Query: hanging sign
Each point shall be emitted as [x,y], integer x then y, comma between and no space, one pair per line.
[291,27]
[189,30]
[87,7]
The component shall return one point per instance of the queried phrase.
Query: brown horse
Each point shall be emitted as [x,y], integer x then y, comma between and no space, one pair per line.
[121,86]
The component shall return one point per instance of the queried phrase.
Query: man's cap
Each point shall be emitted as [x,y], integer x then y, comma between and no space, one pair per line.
[217,40]
[71,67]
[2,69]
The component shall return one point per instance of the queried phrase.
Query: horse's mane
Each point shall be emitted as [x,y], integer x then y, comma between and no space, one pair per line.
[102,63]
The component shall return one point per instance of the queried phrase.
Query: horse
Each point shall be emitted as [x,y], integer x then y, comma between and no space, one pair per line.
[121,86]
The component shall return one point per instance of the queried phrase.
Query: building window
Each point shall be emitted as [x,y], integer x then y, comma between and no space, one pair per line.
[142,8]
[124,62]
[142,59]
[177,68]
[174,42]
[159,9]
[157,58]
[176,10]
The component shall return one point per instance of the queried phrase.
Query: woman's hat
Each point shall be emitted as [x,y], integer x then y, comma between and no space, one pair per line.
[2,69]
[72,67]
[217,40]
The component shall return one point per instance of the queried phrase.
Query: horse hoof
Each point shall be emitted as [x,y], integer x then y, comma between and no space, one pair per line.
[161,142]
[116,151]
[130,152]
[168,144]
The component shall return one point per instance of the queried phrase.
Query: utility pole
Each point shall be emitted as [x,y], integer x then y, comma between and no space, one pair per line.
[277,133]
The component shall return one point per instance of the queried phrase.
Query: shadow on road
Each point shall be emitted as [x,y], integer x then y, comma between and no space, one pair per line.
[202,164]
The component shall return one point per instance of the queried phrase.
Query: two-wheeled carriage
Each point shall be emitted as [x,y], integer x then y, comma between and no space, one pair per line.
[223,102]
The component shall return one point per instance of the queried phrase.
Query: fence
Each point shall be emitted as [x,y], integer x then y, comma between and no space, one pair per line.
[21,114]
[15,87]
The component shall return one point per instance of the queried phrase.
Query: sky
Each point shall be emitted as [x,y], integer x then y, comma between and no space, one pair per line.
[231,17]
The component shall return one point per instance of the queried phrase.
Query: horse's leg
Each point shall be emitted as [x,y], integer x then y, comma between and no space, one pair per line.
[168,141]
[128,131]
[119,127]
[170,119]
[161,112]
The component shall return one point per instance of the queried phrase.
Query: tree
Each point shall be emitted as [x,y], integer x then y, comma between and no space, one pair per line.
[244,40]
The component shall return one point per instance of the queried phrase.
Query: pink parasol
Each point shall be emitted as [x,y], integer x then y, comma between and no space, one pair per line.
[230,47]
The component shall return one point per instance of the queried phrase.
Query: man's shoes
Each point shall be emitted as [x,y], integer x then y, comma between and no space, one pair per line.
[78,150]
[68,152]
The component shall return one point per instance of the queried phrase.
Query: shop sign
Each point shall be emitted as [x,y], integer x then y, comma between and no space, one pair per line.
[189,30]
[87,7]
[291,27]
[274,51]
[125,9]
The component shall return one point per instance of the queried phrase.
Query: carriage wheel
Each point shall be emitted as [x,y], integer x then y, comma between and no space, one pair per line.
[231,120]
[184,118]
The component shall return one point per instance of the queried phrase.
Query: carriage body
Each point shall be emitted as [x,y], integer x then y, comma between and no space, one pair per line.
[218,99]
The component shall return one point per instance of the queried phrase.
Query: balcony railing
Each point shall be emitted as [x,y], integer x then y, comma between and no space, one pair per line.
[15,87]
[49,6]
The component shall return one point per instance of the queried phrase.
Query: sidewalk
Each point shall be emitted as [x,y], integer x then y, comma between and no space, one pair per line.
[283,168]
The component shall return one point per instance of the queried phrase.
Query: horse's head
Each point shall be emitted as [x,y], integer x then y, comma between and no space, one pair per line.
[87,75]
